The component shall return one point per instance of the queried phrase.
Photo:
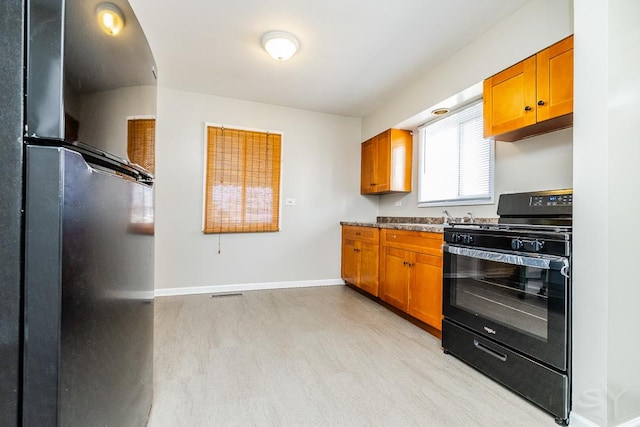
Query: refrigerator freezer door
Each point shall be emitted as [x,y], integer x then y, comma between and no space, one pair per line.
[88,292]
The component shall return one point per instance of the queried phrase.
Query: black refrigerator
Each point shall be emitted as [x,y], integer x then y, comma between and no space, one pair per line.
[76,217]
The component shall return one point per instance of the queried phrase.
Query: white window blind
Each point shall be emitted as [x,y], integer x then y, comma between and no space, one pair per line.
[456,162]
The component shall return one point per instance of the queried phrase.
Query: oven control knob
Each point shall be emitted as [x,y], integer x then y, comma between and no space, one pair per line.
[536,245]
[455,238]
[533,245]
[516,244]
[467,238]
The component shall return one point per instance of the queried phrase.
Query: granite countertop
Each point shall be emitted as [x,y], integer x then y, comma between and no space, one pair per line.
[431,228]
[427,224]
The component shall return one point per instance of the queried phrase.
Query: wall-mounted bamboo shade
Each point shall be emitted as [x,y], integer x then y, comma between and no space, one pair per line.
[141,143]
[242,191]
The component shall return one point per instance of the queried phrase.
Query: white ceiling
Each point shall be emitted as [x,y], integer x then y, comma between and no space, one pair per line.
[354,53]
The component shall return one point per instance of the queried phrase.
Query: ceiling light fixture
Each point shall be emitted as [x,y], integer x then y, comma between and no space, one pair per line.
[110,18]
[280,44]
[439,111]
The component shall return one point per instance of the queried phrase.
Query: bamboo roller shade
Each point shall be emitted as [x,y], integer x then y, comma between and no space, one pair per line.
[242,181]
[141,143]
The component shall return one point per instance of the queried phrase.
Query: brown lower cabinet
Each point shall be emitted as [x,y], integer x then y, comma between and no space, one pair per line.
[403,268]
[360,257]
[411,273]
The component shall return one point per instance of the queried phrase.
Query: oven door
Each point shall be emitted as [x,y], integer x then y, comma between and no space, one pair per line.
[521,301]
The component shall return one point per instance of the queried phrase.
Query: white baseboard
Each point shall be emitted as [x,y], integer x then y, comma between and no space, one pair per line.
[577,420]
[216,289]
[580,421]
[631,423]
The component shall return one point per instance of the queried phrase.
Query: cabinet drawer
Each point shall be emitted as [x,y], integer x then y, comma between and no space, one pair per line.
[417,241]
[363,234]
[434,260]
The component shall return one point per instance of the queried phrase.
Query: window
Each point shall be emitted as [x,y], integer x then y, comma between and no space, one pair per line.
[456,162]
[242,182]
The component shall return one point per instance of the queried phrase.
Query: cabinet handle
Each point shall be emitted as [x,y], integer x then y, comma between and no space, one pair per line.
[410,264]
[356,250]
[395,236]
[357,233]
[541,102]
[404,262]
[373,183]
[527,108]
[489,351]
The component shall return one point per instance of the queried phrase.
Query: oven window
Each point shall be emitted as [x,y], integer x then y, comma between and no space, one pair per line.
[511,295]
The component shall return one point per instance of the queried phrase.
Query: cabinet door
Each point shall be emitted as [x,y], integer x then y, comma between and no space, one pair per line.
[349,261]
[425,290]
[369,258]
[400,161]
[555,80]
[386,162]
[510,98]
[394,287]
[368,166]
[383,162]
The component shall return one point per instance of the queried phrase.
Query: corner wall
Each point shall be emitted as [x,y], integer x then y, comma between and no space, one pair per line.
[320,170]
[606,387]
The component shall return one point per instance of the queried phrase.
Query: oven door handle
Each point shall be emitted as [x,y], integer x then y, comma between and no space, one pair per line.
[546,262]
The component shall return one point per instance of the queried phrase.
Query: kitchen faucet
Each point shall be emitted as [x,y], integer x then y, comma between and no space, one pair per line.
[449,219]
[472,217]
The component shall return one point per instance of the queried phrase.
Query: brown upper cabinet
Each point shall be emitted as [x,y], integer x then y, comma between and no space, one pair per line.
[532,97]
[386,163]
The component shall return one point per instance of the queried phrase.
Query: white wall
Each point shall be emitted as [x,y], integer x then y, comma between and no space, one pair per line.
[320,169]
[623,346]
[590,250]
[606,176]
[539,163]
[538,24]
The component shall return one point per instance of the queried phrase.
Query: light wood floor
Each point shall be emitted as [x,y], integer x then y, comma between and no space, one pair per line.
[324,356]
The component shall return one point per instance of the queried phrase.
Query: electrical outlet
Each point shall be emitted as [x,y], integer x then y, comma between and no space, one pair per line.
[290,202]
[399,203]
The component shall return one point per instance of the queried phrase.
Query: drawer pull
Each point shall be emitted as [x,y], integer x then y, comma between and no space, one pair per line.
[490,352]
[357,233]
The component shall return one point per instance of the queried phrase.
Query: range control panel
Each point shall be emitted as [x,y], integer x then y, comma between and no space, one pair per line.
[552,200]
[550,203]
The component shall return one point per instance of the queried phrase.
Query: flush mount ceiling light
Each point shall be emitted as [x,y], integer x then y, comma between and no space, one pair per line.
[280,44]
[439,111]
[110,18]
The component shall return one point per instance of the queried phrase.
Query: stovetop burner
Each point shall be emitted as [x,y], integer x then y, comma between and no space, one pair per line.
[537,223]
